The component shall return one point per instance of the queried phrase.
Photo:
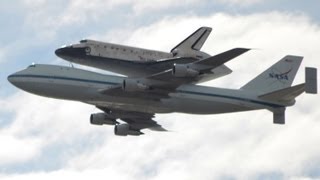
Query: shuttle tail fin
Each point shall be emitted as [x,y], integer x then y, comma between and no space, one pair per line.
[195,41]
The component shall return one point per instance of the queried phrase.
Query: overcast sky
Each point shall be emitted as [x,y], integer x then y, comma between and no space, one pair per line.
[42,138]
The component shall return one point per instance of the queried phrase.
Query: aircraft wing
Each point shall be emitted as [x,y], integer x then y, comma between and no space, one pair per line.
[136,120]
[220,59]
[191,72]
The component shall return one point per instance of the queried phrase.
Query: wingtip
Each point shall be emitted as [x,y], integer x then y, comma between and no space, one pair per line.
[244,49]
[158,128]
[206,27]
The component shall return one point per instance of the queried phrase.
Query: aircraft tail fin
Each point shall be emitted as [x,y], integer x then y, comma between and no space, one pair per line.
[288,95]
[195,41]
[277,77]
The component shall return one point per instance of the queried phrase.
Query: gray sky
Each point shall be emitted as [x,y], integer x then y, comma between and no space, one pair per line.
[43,138]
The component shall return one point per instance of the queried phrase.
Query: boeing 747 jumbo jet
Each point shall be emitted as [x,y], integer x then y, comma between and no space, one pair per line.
[130,104]
[137,62]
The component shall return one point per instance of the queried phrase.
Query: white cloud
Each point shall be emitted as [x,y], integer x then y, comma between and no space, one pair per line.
[71,174]
[15,150]
[47,17]
[240,2]
[79,11]
[142,6]
[240,145]
[39,123]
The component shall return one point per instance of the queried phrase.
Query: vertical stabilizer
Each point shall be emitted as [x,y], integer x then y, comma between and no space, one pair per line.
[195,41]
[278,76]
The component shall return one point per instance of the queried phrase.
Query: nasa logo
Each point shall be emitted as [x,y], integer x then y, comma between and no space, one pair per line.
[279,76]
[282,76]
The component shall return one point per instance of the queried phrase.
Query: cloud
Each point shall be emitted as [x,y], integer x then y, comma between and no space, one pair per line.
[37,127]
[141,6]
[49,18]
[240,2]
[228,146]
[16,150]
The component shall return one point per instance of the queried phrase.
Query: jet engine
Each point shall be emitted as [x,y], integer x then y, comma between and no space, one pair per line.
[101,119]
[182,70]
[133,85]
[124,130]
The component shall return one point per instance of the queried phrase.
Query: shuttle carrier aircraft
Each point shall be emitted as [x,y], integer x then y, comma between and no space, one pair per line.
[130,103]
[136,104]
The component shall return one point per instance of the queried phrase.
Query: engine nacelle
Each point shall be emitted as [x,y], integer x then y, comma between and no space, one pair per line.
[101,119]
[124,130]
[182,70]
[134,85]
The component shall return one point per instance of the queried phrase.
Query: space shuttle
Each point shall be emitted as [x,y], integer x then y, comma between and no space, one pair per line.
[138,62]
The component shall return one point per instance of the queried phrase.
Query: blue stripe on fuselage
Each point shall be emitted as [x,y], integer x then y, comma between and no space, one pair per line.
[62,78]
[232,97]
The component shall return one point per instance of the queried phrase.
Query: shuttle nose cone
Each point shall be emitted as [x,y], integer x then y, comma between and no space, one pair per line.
[70,53]
[60,52]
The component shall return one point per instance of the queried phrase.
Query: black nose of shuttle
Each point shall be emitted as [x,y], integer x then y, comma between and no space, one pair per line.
[71,53]
[60,52]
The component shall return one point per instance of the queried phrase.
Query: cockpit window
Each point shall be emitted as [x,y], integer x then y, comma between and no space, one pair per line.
[32,65]
[83,41]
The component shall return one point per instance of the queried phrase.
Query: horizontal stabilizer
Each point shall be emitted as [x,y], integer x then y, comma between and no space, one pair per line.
[311,80]
[284,95]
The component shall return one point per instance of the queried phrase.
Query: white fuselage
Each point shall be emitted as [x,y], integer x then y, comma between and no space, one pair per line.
[85,86]
[121,52]
[132,61]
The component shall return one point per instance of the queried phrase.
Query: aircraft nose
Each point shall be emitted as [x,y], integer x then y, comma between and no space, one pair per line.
[10,78]
[18,79]
[13,79]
